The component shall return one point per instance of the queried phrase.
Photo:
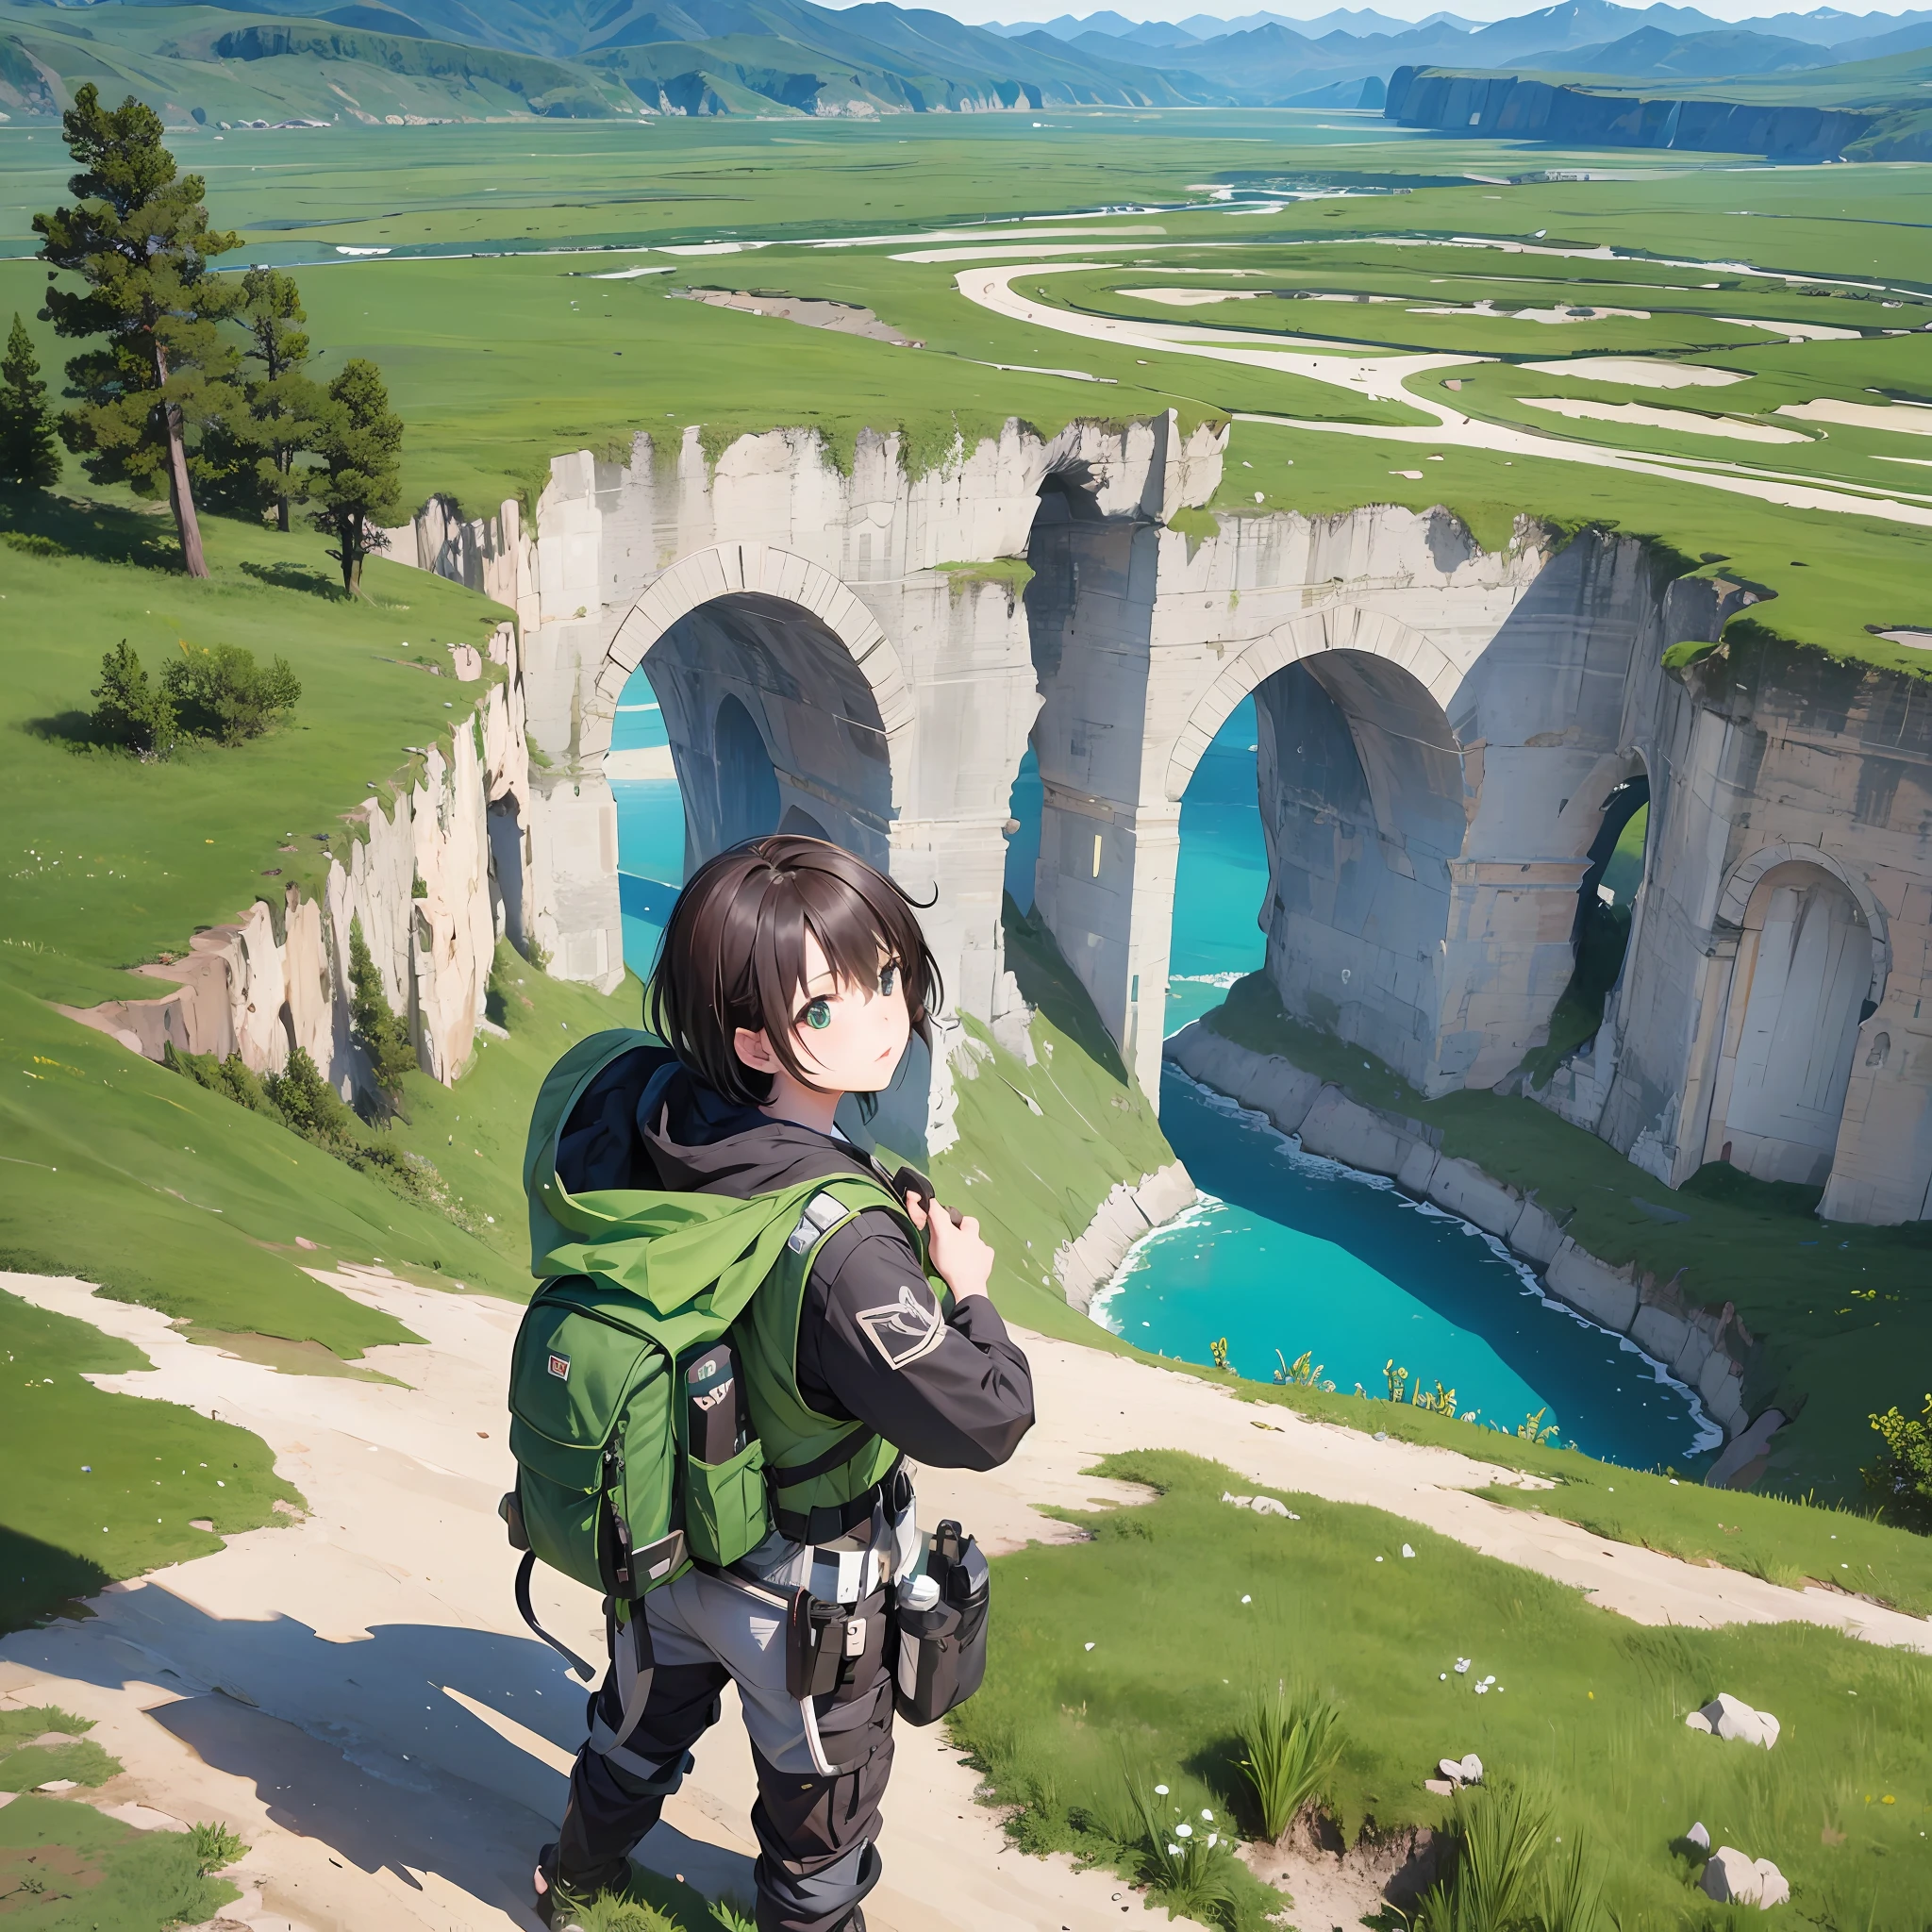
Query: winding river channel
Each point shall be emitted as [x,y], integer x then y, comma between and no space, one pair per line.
[1287,1251]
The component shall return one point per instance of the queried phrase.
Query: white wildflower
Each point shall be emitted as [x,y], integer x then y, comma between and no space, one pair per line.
[1184,1830]
[1160,1790]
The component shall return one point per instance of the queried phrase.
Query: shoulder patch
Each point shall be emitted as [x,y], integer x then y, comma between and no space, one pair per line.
[906,1329]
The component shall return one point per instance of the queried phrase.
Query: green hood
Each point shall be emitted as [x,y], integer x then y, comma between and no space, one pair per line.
[667,1249]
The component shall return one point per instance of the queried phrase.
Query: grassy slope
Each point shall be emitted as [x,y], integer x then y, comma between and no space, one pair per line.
[64,1531]
[1774,1537]
[1041,1147]
[1593,1701]
[1842,1324]
[474,1131]
[109,862]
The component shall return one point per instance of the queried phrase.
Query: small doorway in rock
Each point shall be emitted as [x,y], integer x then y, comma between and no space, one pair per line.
[1600,939]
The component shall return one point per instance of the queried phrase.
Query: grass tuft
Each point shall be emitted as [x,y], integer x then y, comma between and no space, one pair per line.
[1294,1743]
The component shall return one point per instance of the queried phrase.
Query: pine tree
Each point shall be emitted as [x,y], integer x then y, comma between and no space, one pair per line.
[139,238]
[283,405]
[358,488]
[27,451]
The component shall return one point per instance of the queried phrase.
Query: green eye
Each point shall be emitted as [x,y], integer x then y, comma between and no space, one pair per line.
[888,981]
[818,1015]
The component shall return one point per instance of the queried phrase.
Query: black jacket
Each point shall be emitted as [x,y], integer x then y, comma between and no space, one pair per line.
[952,1390]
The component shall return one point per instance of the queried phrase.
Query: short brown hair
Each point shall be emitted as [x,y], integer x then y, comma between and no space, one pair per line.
[734,953]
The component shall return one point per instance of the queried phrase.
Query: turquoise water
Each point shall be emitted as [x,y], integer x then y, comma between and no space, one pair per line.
[1291,1252]
[1298,1253]
[650,830]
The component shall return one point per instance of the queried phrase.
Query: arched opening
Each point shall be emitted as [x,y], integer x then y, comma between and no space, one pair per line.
[1220,880]
[767,716]
[650,821]
[746,716]
[1799,986]
[746,778]
[1361,782]
[1600,936]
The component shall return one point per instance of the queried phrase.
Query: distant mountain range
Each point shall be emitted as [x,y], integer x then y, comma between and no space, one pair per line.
[250,60]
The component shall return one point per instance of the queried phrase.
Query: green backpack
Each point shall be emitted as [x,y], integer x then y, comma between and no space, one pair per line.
[636,1287]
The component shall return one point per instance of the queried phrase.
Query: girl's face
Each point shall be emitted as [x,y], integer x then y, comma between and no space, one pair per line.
[848,1036]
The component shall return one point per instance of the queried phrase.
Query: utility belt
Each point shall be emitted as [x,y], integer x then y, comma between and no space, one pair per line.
[935,1638]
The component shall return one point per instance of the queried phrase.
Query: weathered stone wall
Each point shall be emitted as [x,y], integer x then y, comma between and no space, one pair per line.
[1784,770]
[1440,730]
[278,978]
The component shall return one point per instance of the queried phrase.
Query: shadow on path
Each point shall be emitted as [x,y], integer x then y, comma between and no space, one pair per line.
[358,1744]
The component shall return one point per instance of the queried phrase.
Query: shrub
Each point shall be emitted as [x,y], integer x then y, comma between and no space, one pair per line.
[231,1078]
[310,1106]
[130,709]
[381,1033]
[1294,1744]
[1901,1477]
[215,1845]
[224,694]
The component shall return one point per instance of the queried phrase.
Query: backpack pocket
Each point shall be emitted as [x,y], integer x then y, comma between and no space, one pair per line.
[727,1513]
[591,1428]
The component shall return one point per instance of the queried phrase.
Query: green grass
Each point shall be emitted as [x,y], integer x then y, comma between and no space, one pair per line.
[1841,1319]
[111,862]
[1041,1146]
[474,1131]
[1590,1701]
[101,1485]
[67,1868]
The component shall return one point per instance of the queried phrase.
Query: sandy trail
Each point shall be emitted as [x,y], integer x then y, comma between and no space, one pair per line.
[356,1694]
[1384,378]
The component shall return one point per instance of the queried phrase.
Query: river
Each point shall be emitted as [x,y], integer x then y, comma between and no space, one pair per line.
[1287,1252]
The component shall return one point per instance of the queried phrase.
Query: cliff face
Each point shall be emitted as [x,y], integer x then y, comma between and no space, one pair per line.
[1503,104]
[434,885]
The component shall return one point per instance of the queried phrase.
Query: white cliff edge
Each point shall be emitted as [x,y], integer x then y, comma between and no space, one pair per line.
[434,884]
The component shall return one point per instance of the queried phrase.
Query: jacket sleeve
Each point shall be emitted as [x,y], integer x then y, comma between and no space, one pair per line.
[948,1387]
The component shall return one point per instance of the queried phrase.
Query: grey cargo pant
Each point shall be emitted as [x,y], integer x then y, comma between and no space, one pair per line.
[822,1765]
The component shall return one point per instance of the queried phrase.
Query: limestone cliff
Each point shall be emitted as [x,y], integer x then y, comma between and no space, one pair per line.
[434,884]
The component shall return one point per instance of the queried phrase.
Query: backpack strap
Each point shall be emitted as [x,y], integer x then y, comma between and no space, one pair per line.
[819,1448]
[529,1616]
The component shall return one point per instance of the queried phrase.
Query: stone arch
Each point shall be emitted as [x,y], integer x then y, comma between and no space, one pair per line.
[1806,955]
[1362,794]
[764,571]
[1346,627]
[1744,877]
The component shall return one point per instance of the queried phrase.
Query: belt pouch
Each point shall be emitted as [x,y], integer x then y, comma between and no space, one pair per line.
[941,1621]
[814,1645]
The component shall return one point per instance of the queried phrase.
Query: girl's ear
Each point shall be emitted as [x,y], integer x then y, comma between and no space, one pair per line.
[754,1050]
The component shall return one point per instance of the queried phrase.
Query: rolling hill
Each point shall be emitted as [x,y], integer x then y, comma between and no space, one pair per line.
[442,59]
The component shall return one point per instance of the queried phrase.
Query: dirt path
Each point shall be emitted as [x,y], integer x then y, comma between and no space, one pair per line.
[1385,378]
[355,1694]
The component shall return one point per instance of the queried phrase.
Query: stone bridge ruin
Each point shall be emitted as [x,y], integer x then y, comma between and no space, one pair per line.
[1449,740]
